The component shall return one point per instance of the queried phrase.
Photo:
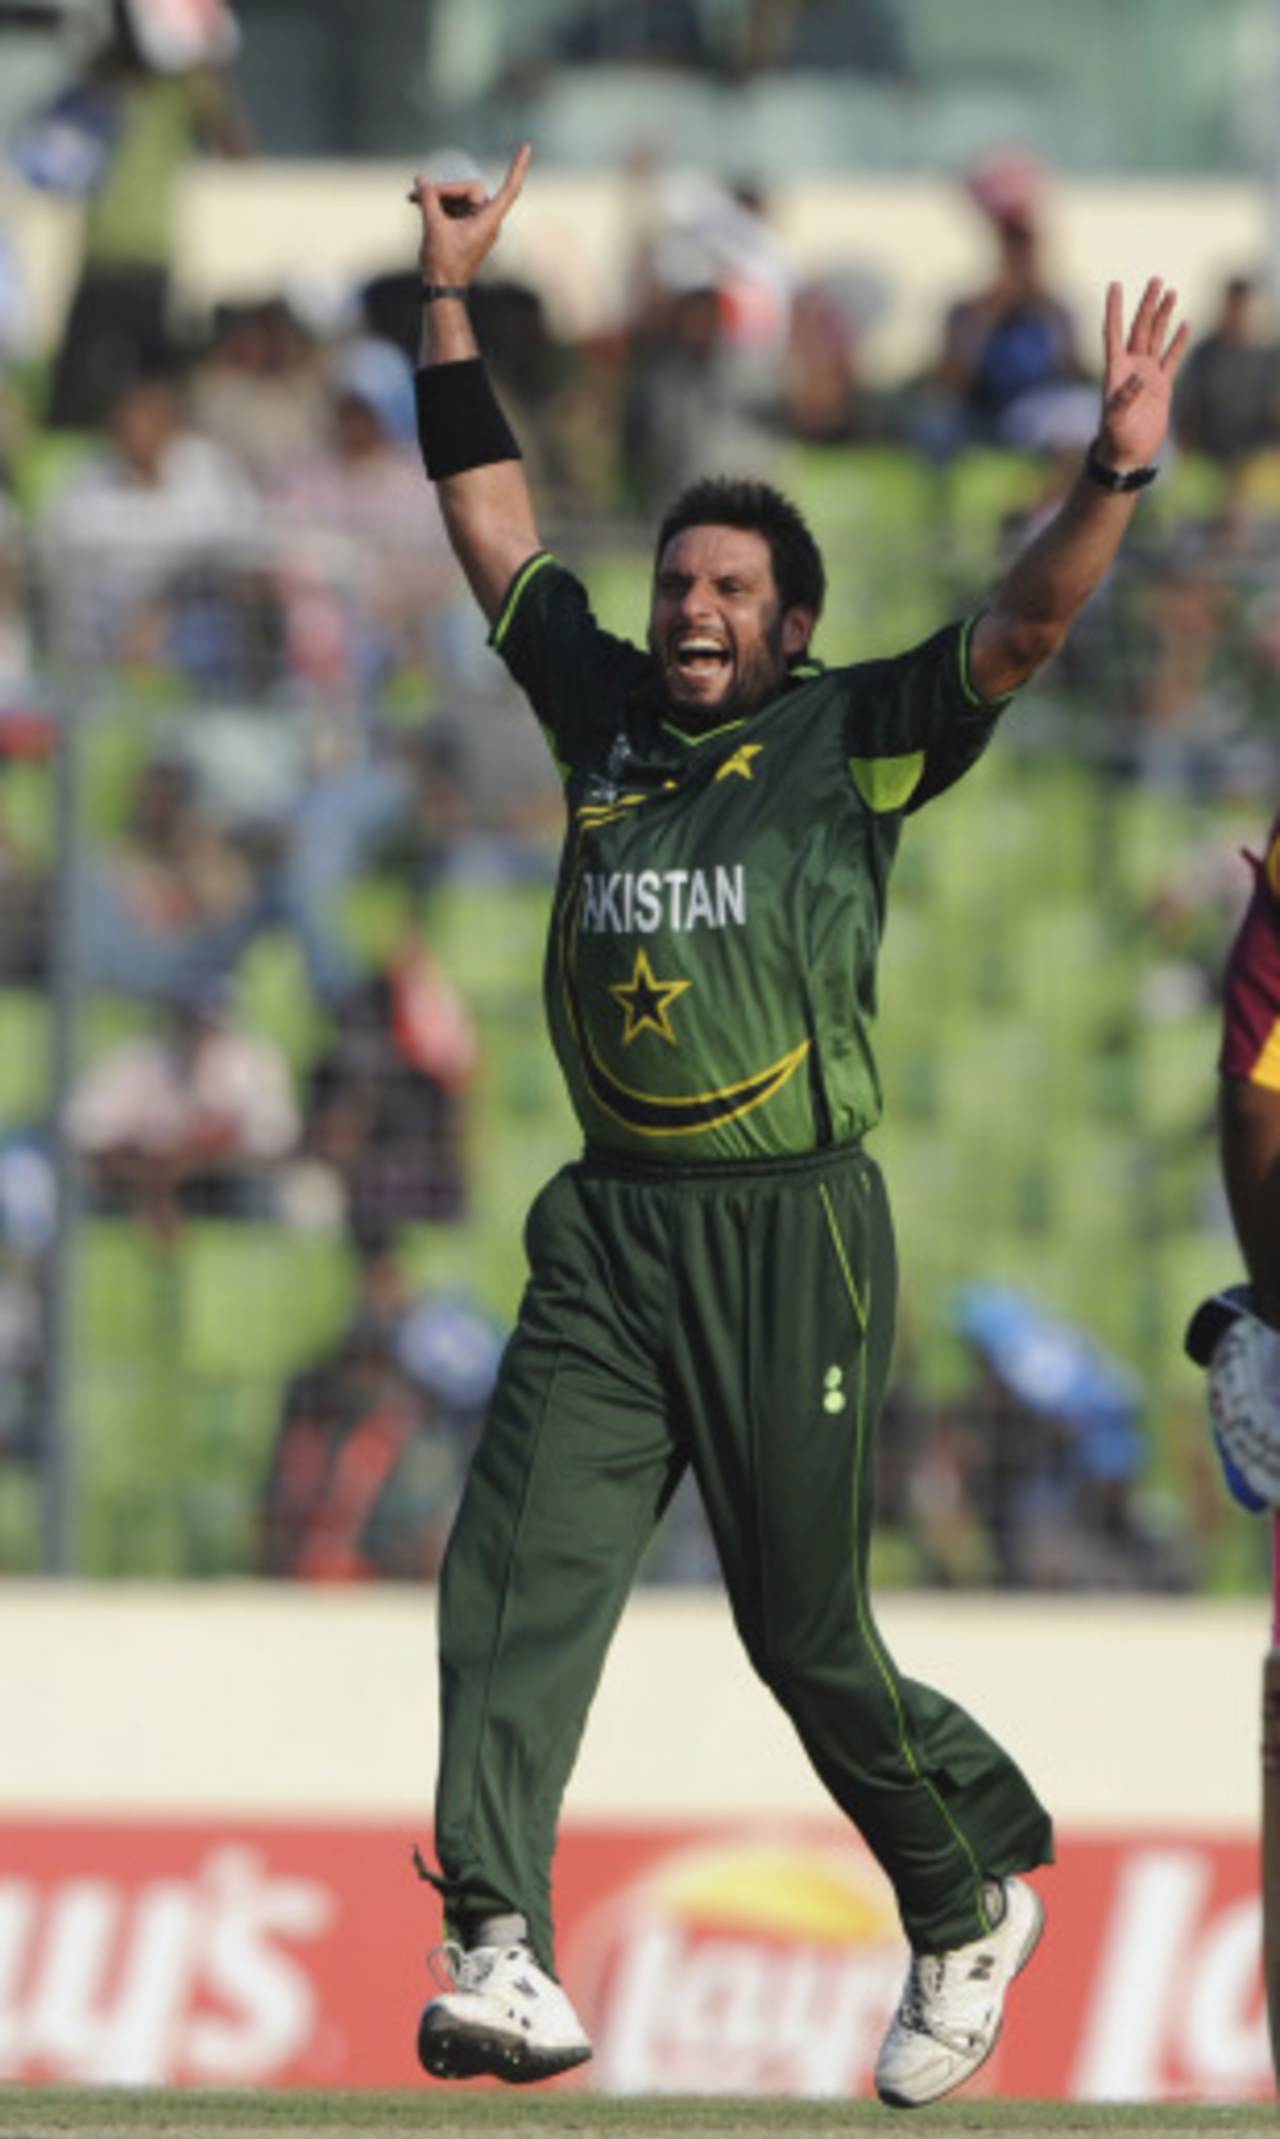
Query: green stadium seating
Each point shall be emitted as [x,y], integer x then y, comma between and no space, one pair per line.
[256,1300]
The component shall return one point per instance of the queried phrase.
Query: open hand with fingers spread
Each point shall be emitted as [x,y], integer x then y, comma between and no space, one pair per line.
[1137,386]
[461,221]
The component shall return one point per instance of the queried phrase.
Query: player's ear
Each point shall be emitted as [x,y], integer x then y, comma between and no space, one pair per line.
[797,630]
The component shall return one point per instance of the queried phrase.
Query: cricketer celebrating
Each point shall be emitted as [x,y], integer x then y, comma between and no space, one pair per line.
[712,1282]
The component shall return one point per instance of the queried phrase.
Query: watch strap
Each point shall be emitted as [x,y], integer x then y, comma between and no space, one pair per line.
[1113,478]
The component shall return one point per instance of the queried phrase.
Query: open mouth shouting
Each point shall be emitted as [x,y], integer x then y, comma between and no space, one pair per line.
[698,662]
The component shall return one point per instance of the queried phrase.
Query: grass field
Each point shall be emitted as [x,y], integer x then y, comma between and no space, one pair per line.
[27,2114]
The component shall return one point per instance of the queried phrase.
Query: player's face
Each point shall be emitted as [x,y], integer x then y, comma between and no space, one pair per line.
[716,626]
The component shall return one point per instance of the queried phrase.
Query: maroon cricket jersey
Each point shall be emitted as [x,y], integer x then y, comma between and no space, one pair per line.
[1251,1007]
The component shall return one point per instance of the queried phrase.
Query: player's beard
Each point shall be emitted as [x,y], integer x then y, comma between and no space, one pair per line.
[760,675]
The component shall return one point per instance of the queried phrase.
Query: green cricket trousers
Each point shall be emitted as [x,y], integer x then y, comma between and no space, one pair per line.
[738,1318]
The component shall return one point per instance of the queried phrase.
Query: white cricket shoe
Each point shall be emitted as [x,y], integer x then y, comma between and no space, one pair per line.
[949,2020]
[504,2016]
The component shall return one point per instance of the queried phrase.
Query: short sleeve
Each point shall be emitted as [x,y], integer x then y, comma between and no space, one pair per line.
[576,676]
[916,723]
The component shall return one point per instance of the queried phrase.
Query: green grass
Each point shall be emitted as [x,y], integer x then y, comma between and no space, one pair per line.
[89,2114]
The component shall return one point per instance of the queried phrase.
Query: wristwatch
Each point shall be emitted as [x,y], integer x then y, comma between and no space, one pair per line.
[1112,478]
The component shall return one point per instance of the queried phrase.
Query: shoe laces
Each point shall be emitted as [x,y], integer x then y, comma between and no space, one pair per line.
[454,1967]
[445,1964]
[925,1987]
[948,1996]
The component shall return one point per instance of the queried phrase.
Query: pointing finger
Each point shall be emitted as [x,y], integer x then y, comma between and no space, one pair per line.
[514,180]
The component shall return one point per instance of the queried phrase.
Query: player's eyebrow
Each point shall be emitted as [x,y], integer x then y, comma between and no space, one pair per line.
[672,581]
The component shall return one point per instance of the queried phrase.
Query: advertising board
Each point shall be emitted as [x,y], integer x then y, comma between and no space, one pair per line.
[718,1956]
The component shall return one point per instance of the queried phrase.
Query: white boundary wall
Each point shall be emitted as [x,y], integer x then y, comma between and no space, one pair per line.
[314,1702]
[249,229]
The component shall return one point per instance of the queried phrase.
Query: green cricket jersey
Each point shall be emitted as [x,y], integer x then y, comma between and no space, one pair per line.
[711,968]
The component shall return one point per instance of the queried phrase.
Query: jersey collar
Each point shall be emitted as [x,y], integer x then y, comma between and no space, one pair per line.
[803,673]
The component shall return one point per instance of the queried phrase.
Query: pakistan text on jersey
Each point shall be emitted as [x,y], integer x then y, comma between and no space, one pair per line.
[645,900]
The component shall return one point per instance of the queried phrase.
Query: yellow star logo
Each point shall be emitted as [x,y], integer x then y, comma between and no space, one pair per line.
[647,1001]
[740,762]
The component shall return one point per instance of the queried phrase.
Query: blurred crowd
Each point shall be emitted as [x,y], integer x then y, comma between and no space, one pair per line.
[216,543]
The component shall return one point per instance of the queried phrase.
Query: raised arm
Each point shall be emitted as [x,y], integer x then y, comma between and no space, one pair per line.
[469,452]
[1049,583]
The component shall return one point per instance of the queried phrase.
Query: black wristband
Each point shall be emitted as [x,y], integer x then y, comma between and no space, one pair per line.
[1112,478]
[460,422]
[429,291]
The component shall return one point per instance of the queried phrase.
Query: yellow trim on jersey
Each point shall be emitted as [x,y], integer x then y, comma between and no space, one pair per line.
[709,734]
[593,813]
[777,1074]
[1266,1070]
[527,571]
[801,672]
[887,783]
[967,684]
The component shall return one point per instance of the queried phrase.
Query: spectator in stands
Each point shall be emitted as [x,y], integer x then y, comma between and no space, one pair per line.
[360,593]
[385,1107]
[1047,1445]
[710,291]
[160,908]
[1008,359]
[826,400]
[151,122]
[131,525]
[365,564]
[28,734]
[259,390]
[364,1478]
[362,582]
[561,394]
[193,1120]
[681,412]
[369,1457]
[1228,398]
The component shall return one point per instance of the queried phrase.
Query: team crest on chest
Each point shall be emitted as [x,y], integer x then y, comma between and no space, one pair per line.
[741,763]
[647,1001]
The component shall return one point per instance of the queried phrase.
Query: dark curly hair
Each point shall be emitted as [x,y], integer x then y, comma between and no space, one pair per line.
[730,501]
